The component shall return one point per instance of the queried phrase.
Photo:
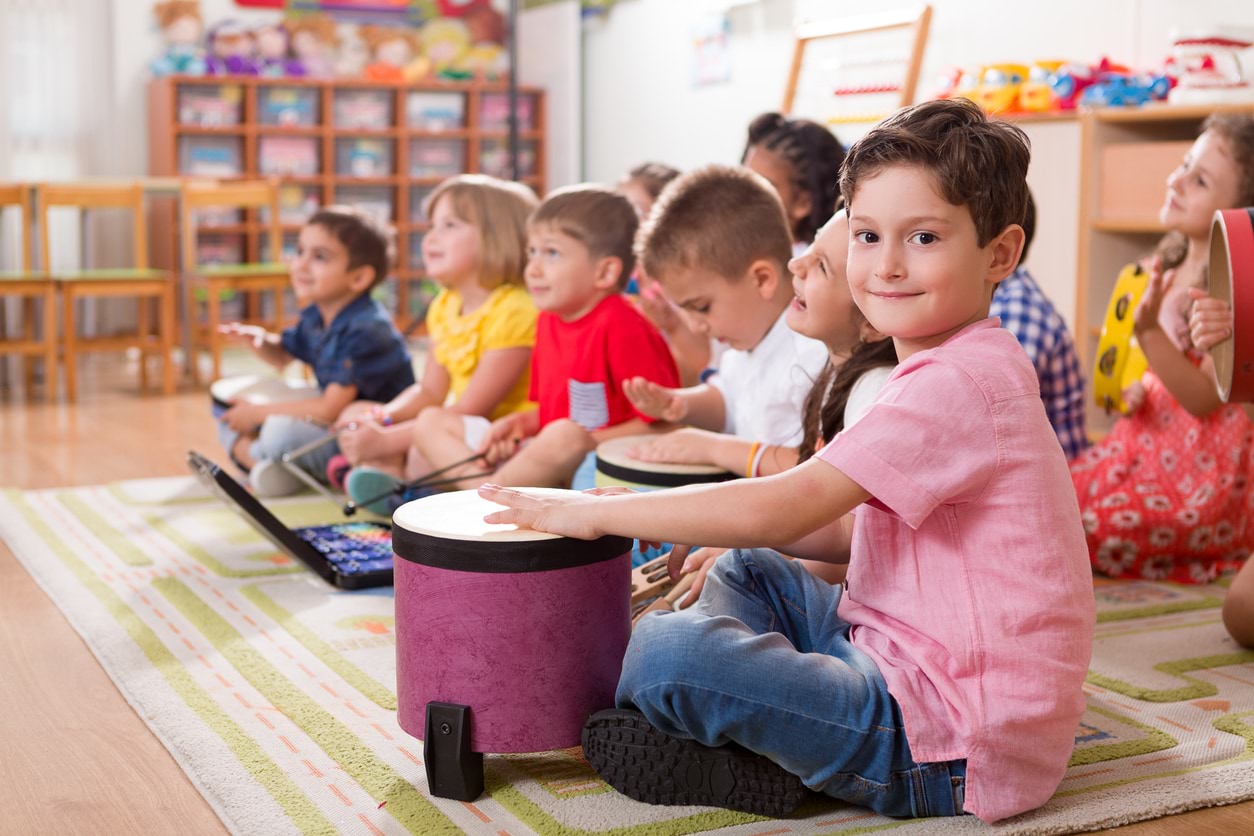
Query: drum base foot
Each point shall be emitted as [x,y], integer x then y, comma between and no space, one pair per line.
[453,770]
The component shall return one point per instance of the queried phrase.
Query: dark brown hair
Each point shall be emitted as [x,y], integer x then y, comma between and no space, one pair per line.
[1238,130]
[598,217]
[368,242]
[977,162]
[823,414]
[717,218]
[815,156]
[653,177]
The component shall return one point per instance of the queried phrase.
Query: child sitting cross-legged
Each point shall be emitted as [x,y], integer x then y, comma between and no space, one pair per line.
[718,243]
[347,337]
[481,329]
[589,339]
[945,675]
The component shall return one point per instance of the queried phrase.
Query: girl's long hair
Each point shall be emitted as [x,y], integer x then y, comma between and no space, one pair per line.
[823,414]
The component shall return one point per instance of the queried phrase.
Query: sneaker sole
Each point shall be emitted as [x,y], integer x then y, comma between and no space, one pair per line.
[643,763]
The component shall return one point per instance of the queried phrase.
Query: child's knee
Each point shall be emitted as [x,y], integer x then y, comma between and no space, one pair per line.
[436,420]
[565,434]
[277,436]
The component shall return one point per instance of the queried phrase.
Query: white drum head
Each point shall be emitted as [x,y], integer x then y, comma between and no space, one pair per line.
[459,516]
[615,452]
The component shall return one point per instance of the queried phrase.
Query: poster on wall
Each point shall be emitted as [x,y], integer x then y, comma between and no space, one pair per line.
[711,50]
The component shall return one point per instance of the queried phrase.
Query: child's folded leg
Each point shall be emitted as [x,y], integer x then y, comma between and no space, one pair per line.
[763,661]
[282,434]
[549,460]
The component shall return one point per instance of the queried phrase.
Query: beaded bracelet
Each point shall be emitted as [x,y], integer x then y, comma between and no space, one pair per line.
[753,454]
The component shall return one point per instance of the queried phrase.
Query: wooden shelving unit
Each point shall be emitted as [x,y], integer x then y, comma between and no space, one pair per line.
[377,145]
[1125,157]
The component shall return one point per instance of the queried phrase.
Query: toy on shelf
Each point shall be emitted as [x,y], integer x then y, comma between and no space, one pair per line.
[393,52]
[1209,70]
[445,42]
[1068,83]
[1120,361]
[273,51]
[288,106]
[210,105]
[294,156]
[182,28]
[435,111]
[997,87]
[367,110]
[211,156]
[313,44]
[1037,93]
[230,50]
[1125,89]
[358,157]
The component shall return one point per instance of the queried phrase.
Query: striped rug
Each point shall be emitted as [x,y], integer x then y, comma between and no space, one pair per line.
[277,694]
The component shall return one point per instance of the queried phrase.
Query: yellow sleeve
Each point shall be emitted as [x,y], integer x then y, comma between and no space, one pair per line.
[512,321]
[438,314]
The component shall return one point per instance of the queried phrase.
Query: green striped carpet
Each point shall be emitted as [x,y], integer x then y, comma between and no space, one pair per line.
[277,694]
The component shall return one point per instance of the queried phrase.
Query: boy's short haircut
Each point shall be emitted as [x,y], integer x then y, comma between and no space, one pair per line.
[716,218]
[369,243]
[499,209]
[653,177]
[977,162]
[596,216]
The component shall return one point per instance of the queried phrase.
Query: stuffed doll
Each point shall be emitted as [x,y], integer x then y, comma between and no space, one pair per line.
[273,58]
[182,28]
[231,50]
[312,39]
[392,50]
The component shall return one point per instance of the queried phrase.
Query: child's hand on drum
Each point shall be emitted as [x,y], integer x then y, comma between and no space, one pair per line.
[567,515]
[253,335]
[684,446]
[1210,320]
[244,417]
[655,401]
[1133,397]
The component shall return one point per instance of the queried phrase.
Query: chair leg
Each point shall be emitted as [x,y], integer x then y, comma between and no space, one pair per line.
[278,309]
[50,344]
[28,335]
[192,325]
[71,350]
[212,337]
[144,329]
[166,310]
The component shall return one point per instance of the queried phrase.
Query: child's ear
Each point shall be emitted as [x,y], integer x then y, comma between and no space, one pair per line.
[361,278]
[608,272]
[1004,251]
[764,274]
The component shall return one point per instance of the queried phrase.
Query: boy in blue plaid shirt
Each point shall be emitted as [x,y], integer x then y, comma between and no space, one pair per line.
[1026,312]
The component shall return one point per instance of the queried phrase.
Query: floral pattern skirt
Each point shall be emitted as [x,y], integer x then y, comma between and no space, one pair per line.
[1166,496]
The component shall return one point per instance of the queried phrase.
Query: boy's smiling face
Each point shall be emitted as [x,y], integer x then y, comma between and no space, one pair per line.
[916,268]
[562,275]
[319,271]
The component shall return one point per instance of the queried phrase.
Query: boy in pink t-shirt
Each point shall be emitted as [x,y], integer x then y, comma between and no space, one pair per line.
[945,675]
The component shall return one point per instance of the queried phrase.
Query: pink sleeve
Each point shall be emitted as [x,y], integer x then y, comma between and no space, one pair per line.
[928,440]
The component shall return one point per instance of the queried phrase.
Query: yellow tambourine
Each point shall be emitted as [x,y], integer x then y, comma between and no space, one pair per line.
[1120,361]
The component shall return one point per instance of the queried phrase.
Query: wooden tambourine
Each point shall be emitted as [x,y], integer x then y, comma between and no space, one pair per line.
[256,388]
[1120,361]
[616,468]
[1231,278]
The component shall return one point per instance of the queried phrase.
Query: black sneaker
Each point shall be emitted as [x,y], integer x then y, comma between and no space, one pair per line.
[643,763]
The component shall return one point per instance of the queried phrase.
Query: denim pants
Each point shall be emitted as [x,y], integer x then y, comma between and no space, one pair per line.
[281,434]
[763,660]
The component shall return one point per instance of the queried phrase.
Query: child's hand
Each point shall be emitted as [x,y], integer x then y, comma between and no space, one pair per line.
[244,417]
[1146,316]
[684,446]
[1210,320]
[655,401]
[1133,397]
[565,515]
[502,440]
[361,440]
[700,561]
[253,335]
[660,310]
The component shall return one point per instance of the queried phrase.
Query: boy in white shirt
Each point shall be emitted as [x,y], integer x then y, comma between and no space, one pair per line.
[718,243]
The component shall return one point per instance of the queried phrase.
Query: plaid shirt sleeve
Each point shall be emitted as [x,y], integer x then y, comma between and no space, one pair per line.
[1028,314]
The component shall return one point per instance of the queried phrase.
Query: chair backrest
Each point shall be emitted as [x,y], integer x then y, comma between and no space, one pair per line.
[234,194]
[128,196]
[19,195]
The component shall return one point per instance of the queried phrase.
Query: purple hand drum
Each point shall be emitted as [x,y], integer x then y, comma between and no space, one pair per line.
[506,639]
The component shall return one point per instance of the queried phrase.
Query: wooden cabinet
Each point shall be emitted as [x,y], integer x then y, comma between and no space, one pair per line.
[1125,157]
[382,147]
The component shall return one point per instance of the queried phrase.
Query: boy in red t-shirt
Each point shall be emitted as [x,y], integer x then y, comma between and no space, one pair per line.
[589,340]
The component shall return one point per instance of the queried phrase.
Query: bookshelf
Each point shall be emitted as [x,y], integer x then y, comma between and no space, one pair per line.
[1125,157]
[380,146]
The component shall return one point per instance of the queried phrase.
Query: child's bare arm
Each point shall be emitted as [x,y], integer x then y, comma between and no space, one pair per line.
[243,417]
[738,455]
[497,373]
[265,344]
[701,406]
[1192,386]
[430,391]
[773,512]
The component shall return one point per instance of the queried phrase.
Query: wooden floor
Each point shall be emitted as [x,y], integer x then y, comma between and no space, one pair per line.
[74,757]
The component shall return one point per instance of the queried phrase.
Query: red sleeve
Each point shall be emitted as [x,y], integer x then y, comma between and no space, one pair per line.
[637,349]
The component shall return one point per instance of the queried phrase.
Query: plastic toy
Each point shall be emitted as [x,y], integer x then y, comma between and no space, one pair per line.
[1037,94]
[273,57]
[445,42]
[312,40]
[182,28]
[1068,83]
[997,87]
[1209,69]
[1120,90]
[230,50]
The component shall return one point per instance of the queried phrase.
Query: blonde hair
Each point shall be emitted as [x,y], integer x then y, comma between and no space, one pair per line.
[499,209]
[376,36]
[167,13]
[319,25]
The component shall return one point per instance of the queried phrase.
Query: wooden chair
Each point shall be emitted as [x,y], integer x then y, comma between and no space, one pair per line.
[140,282]
[206,284]
[30,287]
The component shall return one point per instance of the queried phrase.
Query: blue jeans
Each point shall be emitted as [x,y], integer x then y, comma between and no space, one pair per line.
[281,434]
[763,660]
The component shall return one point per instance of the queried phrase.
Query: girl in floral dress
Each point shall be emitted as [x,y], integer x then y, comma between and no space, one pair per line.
[1166,496]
